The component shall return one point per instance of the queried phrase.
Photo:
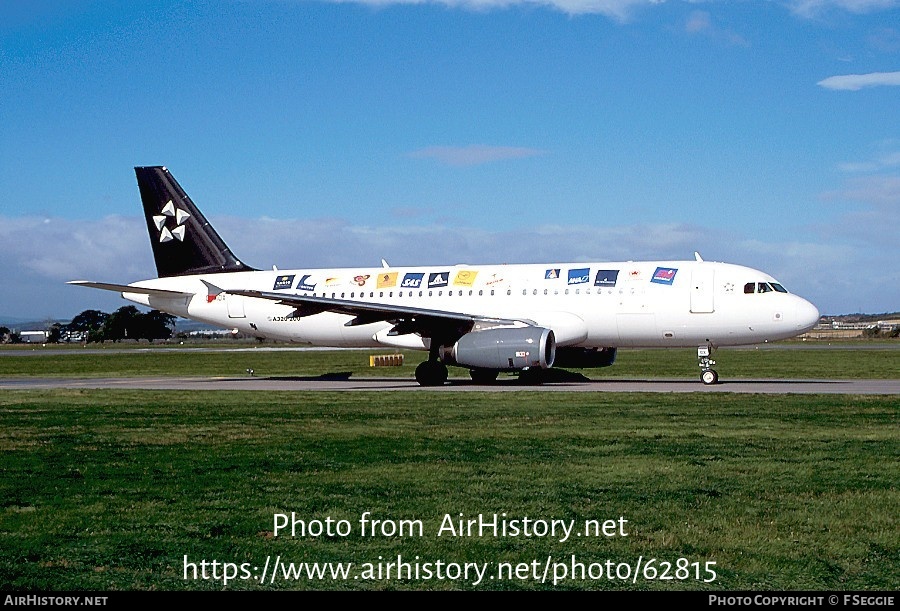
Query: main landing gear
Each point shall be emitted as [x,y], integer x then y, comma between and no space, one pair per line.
[708,375]
[432,372]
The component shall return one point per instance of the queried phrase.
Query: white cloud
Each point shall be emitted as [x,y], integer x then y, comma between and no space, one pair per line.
[811,8]
[855,82]
[619,10]
[850,268]
[884,162]
[701,23]
[475,154]
[622,10]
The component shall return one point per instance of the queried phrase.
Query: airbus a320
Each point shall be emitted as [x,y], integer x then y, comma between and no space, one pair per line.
[484,318]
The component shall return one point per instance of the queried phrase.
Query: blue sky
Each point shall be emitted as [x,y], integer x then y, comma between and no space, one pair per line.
[326,133]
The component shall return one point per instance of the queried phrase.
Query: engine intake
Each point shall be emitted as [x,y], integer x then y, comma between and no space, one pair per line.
[504,349]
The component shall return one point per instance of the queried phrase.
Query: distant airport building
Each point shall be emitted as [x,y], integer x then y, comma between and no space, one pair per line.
[33,337]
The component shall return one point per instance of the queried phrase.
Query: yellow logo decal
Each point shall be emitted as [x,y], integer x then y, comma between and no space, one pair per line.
[387,280]
[464,277]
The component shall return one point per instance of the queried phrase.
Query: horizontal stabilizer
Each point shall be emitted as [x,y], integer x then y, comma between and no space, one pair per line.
[124,288]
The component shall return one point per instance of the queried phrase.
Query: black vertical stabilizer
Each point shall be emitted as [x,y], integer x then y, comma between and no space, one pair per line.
[183,240]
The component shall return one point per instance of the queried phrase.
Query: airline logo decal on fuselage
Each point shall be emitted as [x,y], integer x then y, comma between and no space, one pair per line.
[552,274]
[606,277]
[664,275]
[171,231]
[411,281]
[579,276]
[465,277]
[386,281]
[438,279]
[283,282]
[304,284]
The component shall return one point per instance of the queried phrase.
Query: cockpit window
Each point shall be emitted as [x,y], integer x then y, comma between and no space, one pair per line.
[763,287]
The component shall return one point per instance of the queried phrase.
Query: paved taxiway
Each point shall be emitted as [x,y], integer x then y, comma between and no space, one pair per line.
[345,383]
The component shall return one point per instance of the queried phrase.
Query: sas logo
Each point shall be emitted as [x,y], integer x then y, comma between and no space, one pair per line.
[360,280]
[579,276]
[664,275]
[283,282]
[606,277]
[304,284]
[551,274]
[464,277]
[386,280]
[411,281]
[438,279]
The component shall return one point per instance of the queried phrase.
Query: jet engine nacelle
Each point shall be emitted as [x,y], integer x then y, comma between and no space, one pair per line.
[584,358]
[504,349]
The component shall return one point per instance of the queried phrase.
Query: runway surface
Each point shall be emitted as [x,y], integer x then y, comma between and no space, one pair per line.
[345,383]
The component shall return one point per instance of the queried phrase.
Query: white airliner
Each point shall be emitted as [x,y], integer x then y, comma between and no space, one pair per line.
[486,318]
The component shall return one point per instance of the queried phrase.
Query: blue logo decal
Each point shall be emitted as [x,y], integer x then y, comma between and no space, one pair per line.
[283,282]
[664,275]
[304,284]
[606,277]
[579,276]
[438,279]
[411,281]
[551,274]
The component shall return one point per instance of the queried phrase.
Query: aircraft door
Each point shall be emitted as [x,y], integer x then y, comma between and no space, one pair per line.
[702,289]
[235,305]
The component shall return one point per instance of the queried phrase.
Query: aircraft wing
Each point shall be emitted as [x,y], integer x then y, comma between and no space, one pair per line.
[426,322]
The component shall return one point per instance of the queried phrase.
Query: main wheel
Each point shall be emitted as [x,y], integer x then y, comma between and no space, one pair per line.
[709,376]
[431,373]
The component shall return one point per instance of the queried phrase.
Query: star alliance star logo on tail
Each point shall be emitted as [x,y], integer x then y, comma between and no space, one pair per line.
[169,231]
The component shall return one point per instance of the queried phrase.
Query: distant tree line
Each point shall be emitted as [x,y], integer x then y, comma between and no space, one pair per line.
[95,326]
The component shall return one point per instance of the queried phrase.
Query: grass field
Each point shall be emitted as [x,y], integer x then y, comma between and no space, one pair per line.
[111,490]
[852,361]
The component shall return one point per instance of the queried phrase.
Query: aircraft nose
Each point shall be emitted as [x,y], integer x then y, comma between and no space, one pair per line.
[806,315]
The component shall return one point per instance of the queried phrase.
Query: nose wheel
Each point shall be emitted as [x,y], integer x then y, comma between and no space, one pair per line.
[708,375]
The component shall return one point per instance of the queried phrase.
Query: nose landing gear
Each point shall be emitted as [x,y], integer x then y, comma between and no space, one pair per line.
[708,375]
